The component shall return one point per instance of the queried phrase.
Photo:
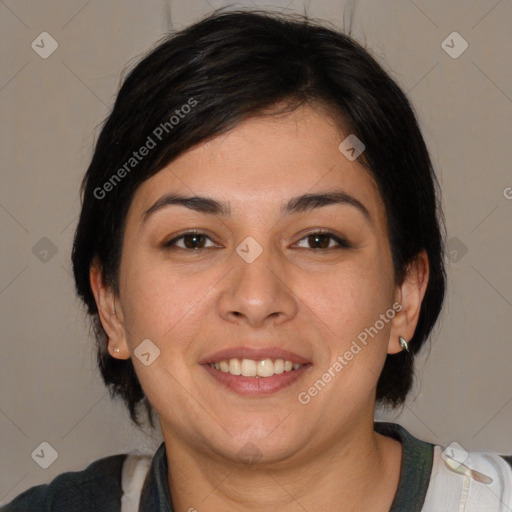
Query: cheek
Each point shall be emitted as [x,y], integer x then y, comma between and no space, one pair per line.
[349,298]
[159,301]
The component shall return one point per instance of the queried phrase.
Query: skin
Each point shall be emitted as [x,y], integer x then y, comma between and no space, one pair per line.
[313,301]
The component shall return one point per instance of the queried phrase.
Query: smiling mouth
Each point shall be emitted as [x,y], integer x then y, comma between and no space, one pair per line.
[252,368]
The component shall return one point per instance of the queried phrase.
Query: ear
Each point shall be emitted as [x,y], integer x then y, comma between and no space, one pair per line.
[409,295]
[110,312]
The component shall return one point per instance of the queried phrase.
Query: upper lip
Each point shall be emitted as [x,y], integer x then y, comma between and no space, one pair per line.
[257,354]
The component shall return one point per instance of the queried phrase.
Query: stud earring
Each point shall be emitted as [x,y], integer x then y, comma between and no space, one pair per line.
[117,350]
[403,343]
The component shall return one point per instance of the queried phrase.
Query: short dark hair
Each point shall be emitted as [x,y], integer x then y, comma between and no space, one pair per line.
[227,68]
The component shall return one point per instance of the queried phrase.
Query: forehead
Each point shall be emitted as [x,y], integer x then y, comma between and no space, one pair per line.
[262,162]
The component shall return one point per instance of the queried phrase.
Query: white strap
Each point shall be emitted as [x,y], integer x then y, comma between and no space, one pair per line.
[448,490]
[135,469]
[457,488]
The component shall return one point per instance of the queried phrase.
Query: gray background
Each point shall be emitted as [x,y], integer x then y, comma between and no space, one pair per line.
[51,109]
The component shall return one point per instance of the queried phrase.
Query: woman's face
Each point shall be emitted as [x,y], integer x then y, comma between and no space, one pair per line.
[256,284]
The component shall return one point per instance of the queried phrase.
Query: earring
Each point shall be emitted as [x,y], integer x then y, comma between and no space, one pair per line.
[117,350]
[403,343]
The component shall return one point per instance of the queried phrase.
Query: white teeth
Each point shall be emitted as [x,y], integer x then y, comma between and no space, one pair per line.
[265,368]
[252,368]
[279,366]
[234,367]
[248,368]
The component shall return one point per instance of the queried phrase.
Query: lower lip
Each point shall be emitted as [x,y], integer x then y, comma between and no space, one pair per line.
[252,386]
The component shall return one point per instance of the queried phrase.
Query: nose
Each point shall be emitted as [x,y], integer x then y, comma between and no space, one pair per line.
[258,293]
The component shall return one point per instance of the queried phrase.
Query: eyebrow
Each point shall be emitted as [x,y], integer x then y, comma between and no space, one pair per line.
[298,204]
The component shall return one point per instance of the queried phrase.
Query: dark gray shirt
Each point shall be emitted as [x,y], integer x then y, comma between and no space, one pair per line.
[98,487]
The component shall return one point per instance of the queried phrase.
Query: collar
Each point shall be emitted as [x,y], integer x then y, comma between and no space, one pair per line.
[155,495]
[416,468]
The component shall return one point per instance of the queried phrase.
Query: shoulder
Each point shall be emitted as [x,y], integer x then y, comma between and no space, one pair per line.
[96,488]
[437,478]
[465,480]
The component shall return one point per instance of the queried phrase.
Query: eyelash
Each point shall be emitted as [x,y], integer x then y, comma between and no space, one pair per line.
[342,244]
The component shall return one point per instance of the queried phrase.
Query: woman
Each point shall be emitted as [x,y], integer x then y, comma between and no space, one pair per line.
[260,247]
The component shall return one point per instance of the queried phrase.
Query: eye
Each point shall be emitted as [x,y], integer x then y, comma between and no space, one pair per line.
[322,240]
[196,240]
[191,240]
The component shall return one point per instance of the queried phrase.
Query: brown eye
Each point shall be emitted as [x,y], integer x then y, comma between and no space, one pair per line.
[192,240]
[322,240]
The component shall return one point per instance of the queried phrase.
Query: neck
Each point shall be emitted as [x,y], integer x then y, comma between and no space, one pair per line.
[356,472]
